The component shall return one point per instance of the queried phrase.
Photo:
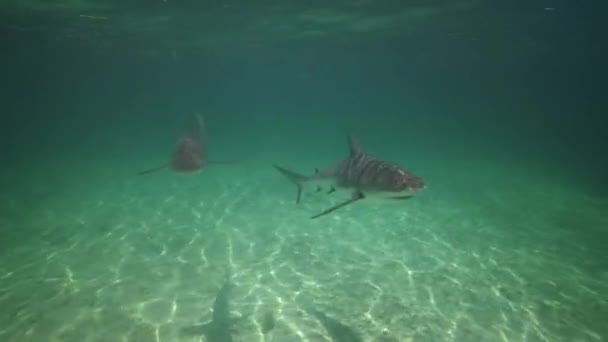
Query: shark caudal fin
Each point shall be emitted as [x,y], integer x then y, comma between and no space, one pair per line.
[296,178]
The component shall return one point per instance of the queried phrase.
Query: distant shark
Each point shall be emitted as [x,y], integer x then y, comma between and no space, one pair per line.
[363,174]
[221,326]
[190,153]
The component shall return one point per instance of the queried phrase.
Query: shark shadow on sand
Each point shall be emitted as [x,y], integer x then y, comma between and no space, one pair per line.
[338,331]
[363,174]
[221,327]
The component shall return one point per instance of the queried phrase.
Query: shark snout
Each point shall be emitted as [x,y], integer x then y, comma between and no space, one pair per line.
[408,183]
[415,188]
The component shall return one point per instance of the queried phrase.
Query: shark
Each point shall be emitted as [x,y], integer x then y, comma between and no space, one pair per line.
[221,326]
[190,152]
[364,175]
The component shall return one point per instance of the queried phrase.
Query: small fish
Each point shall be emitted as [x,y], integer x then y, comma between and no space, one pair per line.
[365,175]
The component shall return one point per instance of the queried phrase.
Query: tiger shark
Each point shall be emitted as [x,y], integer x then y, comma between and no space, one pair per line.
[190,152]
[361,173]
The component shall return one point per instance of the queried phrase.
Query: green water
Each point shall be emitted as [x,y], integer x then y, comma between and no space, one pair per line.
[496,107]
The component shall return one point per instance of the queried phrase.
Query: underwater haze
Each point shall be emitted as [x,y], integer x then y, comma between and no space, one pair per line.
[139,199]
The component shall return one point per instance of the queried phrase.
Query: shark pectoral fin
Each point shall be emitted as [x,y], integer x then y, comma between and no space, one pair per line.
[331,190]
[358,195]
[154,169]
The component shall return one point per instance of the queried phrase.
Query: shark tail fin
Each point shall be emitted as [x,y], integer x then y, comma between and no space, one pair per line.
[295,177]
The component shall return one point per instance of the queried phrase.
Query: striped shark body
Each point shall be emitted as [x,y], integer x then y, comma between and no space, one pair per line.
[363,174]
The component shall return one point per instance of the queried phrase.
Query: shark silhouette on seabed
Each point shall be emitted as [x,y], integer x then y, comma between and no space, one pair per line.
[338,331]
[222,324]
[363,174]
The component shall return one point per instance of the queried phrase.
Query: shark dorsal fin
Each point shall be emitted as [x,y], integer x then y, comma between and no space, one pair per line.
[353,145]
